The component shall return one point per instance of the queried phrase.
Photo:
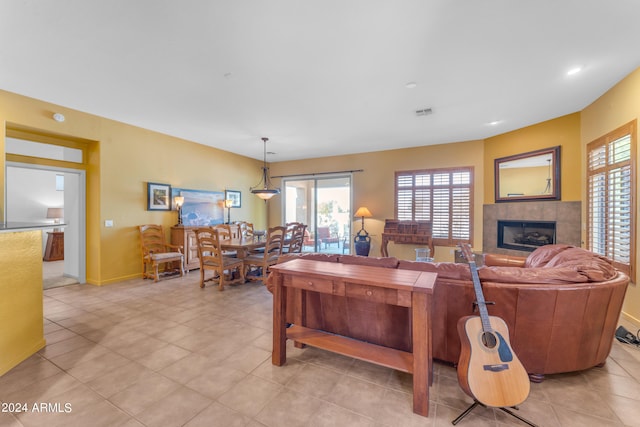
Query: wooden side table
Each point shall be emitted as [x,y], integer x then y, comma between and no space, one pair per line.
[55,246]
[405,288]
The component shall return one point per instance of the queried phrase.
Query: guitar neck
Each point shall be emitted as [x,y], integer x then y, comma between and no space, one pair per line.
[477,287]
[482,305]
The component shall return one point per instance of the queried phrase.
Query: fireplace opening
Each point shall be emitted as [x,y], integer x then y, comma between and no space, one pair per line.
[525,235]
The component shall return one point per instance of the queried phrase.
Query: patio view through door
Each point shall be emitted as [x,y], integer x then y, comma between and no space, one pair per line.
[324,205]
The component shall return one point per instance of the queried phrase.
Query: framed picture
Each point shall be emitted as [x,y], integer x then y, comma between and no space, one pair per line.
[200,207]
[236,196]
[158,197]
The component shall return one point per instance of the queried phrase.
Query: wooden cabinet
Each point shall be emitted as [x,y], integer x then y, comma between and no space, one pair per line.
[54,250]
[185,237]
[408,233]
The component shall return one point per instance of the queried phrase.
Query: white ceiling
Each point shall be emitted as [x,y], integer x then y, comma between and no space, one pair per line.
[319,78]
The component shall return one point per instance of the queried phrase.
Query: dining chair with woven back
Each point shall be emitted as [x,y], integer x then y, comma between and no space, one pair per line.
[212,258]
[262,261]
[156,252]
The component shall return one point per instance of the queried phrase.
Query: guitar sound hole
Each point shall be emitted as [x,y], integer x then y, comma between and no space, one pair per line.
[489,340]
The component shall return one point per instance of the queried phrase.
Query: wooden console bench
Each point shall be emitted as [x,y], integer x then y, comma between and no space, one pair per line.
[404,288]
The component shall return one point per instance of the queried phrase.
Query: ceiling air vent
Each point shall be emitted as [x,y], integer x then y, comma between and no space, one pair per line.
[424,112]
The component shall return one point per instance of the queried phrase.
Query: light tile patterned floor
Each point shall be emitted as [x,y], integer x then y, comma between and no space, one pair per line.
[171,354]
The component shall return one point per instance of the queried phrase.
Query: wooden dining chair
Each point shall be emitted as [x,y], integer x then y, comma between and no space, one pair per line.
[272,251]
[225,232]
[246,228]
[294,240]
[156,251]
[236,231]
[212,258]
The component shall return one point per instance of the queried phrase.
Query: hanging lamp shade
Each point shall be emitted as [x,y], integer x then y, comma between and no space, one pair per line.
[263,188]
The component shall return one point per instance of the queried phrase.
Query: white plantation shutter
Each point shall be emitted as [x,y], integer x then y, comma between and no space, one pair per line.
[610,196]
[443,196]
[460,214]
[422,209]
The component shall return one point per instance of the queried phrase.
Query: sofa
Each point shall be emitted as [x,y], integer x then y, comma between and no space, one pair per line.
[561,305]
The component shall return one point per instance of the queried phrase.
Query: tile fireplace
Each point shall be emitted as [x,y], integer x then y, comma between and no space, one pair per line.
[565,215]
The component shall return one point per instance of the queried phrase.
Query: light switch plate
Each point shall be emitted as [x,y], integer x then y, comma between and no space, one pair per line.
[108,223]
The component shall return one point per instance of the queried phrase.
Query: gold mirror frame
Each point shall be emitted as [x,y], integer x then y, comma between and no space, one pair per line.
[528,176]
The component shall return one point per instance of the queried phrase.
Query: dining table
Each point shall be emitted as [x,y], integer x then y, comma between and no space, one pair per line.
[243,245]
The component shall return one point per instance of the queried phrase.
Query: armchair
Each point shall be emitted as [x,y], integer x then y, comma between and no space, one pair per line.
[325,237]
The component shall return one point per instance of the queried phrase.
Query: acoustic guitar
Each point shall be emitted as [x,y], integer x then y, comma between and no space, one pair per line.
[488,369]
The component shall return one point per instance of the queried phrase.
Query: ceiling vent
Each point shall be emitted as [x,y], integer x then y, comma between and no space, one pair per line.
[424,112]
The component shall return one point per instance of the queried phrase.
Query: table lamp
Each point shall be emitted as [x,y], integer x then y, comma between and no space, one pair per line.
[362,240]
[179,202]
[56,214]
[228,203]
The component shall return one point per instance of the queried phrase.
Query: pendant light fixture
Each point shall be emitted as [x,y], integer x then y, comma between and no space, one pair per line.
[263,189]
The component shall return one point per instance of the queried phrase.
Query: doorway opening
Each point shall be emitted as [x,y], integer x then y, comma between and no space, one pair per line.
[324,205]
[45,179]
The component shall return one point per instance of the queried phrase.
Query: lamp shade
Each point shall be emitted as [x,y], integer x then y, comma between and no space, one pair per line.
[179,200]
[228,203]
[55,213]
[363,212]
[265,194]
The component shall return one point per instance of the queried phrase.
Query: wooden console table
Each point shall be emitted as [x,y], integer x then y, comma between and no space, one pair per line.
[404,288]
[407,232]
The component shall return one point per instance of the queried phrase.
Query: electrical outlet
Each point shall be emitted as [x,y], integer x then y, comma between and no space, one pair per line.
[108,223]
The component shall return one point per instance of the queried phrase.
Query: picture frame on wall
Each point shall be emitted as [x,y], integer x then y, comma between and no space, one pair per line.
[158,197]
[200,207]
[235,196]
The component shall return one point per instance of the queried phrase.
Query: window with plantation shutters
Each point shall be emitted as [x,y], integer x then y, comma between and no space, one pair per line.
[611,192]
[443,196]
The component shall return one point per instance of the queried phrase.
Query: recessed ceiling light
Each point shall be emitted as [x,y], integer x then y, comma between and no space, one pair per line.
[573,71]
[494,123]
[411,85]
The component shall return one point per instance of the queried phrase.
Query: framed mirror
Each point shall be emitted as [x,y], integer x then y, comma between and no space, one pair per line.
[528,176]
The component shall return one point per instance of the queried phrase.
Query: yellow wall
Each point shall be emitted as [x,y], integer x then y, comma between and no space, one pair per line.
[526,181]
[618,106]
[121,162]
[374,187]
[126,157]
[21,326]
[563,131]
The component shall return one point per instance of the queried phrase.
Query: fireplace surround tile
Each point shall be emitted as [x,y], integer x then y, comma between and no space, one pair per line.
[567,216]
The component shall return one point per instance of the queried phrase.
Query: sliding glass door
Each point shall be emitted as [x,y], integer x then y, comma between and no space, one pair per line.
[324,204]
